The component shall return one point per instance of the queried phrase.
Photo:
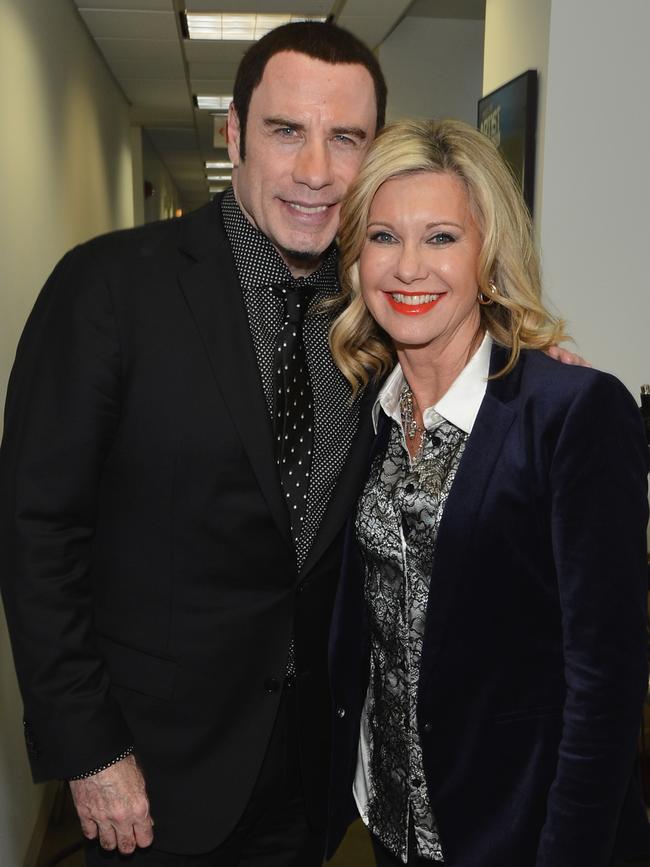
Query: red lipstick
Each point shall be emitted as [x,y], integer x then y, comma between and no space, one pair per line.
[412,309]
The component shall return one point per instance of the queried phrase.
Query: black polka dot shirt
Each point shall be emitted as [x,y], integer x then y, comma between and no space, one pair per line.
[260,267]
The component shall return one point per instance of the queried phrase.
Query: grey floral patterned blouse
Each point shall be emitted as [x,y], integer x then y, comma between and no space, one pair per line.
[397,521]
[396,524]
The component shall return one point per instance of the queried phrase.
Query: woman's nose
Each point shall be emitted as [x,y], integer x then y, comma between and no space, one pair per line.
[409,266]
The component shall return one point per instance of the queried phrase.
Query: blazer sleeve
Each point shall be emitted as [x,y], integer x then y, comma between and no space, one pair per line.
[62,413]
[599,517]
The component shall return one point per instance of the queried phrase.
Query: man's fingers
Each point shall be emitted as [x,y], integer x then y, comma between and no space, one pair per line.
[107,836]
[88,828]
[143,833]
[566,357]
[126,841]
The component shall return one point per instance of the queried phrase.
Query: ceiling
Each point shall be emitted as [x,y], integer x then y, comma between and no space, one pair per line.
[160,71]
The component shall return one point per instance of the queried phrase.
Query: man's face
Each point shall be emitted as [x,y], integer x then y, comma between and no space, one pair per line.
[309,126]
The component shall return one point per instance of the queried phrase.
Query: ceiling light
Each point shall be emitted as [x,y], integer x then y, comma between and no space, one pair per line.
[217,189]
[214,103]
[244,27]
[221,165]
[219,177]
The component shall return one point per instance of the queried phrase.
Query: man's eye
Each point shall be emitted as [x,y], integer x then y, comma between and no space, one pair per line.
[285,131]
[344,139]
[381,238]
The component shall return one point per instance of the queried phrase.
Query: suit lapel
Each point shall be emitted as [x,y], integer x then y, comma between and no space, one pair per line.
[348,485]
[209,282]
[461,511]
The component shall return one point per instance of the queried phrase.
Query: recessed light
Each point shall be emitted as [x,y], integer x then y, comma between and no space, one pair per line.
[243,27]
[213,103]
[219,177]
[218,165]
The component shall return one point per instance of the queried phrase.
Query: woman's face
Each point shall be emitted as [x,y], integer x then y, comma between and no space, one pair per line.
[418,266]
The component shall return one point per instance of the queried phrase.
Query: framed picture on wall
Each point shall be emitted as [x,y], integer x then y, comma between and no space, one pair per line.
[508,116]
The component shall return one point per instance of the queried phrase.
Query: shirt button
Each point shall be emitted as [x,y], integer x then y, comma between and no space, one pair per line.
[340,712]
[427,728]
[416,783]
[272,684]
[435,442]
[409,488]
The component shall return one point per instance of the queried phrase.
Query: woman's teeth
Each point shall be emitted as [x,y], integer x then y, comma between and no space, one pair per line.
[414,300]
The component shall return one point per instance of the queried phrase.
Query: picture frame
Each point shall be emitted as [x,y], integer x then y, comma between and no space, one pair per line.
[508,116]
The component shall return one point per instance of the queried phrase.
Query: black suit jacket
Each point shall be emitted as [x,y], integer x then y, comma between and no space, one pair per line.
[533,669]
[148,573]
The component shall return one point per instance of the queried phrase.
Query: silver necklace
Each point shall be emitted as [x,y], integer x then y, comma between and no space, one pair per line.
[407,414]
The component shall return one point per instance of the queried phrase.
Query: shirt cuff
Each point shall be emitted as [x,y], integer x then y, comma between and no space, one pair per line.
[127,752]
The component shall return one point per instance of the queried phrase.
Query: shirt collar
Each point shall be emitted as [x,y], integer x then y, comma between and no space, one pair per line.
[259,263]
[460,403]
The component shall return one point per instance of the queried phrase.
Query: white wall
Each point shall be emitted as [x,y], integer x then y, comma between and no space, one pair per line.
[516,39]
[593,177]
[595,224]
[433,68]
[593,159]
[65,175]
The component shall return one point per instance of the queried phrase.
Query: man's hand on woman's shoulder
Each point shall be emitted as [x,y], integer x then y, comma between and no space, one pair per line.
[566,357]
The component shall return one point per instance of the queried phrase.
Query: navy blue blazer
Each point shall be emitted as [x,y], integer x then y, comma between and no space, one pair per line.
[533,670]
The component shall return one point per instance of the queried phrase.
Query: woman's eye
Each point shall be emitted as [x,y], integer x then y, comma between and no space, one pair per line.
[381,237]
[442,238]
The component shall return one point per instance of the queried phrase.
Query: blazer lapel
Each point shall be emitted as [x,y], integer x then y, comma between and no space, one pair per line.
[461,510]
[349,483]
[212,291]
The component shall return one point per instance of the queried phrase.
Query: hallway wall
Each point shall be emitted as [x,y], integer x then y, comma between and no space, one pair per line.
[65,175]
[593,171]
[165,199]
[433,68]
[595,223]
[516,39]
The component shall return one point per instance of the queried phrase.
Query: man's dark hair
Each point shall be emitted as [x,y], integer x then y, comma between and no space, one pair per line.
[316,39]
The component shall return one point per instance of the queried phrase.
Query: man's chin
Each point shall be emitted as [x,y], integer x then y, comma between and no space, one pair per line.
[303,261]
[304,256]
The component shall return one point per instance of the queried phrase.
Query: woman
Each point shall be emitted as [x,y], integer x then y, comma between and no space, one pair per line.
[489,648]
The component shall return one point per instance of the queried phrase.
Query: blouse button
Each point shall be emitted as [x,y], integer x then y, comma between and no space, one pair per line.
[409,488]
[340,712]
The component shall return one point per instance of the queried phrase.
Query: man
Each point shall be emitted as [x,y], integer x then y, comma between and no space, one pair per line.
[172,513]
[169,614]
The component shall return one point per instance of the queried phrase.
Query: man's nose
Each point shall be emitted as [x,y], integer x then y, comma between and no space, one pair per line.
[313,166]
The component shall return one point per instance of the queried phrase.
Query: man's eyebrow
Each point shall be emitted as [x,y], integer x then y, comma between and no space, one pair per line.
[354,131]
[283,121]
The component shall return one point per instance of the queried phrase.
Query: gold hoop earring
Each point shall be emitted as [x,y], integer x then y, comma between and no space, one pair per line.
[486,300]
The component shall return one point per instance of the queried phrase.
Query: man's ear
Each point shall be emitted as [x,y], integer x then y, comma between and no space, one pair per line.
[233,135]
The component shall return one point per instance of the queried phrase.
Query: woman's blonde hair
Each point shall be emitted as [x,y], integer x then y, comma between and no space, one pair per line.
[508,267]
